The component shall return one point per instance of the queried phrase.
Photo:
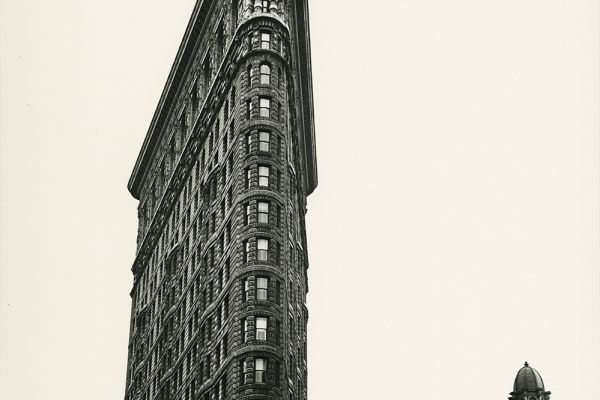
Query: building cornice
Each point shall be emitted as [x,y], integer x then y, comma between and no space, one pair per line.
[303,60]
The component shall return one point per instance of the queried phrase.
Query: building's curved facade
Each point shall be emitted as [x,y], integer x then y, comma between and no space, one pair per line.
[218,302]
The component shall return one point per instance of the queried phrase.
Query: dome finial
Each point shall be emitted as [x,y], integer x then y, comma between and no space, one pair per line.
[526,364]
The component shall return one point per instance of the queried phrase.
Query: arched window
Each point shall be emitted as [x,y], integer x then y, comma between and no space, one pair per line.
[265,74]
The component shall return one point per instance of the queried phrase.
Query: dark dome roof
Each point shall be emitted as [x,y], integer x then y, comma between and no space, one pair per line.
[528,379]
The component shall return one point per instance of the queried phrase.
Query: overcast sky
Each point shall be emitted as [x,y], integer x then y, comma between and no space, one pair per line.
[454,234]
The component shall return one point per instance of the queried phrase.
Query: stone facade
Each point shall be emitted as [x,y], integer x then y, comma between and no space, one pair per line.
[220,283]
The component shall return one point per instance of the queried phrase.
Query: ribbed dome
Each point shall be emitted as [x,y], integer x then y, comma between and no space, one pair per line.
[528,379]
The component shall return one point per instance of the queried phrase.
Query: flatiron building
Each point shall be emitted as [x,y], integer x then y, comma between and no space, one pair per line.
[220,273]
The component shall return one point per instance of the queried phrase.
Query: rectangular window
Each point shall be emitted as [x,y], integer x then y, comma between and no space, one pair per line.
[261,328]
[246,289]
[247,251]
[260,368]
[248,143]
[248,213]
[244,368]
[262,246]
[249,42]
[246,327]
[263,212]
[262,288]
[264,107]
[265,40]
[220,39]
[279,113]
[234,16]
[263,176]
[264,141]
[195,100]
[248,109]
[207,72]
[183,122]
[279,78]
[248,177]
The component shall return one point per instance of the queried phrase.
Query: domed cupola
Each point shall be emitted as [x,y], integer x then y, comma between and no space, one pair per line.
[529,385]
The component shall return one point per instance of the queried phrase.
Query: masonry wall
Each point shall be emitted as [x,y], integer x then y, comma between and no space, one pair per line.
[218,303]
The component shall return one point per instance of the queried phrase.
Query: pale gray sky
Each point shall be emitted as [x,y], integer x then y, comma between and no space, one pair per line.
[454,234]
